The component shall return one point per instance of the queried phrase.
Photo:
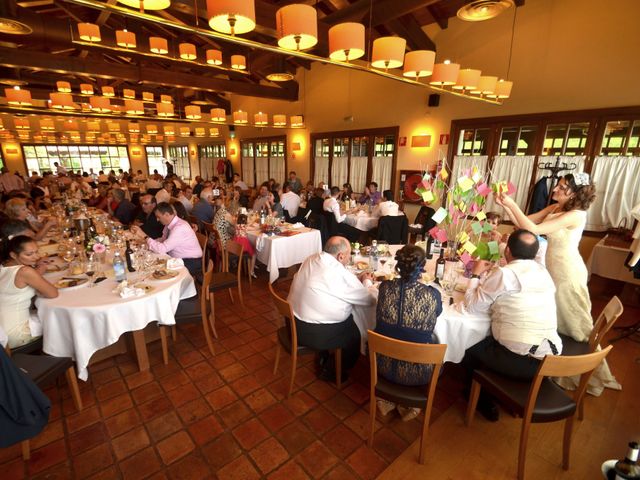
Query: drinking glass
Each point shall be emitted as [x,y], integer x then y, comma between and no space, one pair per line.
[90,271]
[68,255]
[449,282]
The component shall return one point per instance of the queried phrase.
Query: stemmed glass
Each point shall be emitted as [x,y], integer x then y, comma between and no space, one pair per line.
[90,271]
[448,282]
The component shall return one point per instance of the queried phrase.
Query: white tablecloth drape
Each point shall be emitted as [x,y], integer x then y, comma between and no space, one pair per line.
[281,252]
[609,262]
[454,327]
[83,320]
[362,221]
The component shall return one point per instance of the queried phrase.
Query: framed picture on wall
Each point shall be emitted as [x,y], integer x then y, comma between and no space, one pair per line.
[409,181]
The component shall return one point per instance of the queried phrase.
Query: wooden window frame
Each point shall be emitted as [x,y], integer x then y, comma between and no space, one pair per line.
[268,140]
[190,177]
[371,133]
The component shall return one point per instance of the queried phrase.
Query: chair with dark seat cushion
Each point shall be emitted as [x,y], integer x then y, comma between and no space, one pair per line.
[350,232]
[198,308]
[605,321]
[409,396]
[540,400]
[318,222]
[44,370]
[393,229]
[288,340]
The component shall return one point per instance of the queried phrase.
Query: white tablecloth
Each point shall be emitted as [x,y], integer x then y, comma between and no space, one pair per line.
[364,221]
[458,329]
[281,252]
[609,262]
[83,320]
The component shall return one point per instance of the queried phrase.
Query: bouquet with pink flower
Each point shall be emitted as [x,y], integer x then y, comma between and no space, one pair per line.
[98,244]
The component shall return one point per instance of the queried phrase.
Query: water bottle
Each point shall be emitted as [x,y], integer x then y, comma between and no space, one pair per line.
[119,268]
[373,258]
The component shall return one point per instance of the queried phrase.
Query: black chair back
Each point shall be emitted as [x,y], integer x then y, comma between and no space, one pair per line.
[393,229]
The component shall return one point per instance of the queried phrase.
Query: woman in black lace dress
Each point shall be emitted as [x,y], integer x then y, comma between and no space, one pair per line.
[407,310]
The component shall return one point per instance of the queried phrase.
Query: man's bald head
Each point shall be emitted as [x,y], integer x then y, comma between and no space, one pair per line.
[338,247]
[522,245]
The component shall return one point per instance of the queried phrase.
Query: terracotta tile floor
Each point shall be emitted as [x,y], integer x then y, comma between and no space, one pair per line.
[224,417]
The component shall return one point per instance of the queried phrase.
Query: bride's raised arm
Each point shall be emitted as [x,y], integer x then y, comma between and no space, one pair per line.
[538,223]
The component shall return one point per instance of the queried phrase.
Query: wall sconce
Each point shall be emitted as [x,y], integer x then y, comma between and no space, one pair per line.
[232,151]
[11,151]
[296,147]
[421,141]
[136,152]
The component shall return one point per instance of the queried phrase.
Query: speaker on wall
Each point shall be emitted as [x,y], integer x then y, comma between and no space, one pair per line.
[434,100]
[232,131]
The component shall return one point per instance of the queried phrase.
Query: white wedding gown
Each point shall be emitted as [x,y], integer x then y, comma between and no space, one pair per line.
[573,303]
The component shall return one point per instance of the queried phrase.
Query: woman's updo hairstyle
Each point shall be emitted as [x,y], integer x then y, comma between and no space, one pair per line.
[15,245]
[410,262]
[584,192]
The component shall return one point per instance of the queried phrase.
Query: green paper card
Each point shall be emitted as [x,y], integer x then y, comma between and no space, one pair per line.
[477,228]
[486,227]
[493,248]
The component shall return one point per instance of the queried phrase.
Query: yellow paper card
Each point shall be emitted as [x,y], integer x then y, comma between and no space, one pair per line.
[463,237]
[469,247]
[443,174]
[476,177]
[427,196]
[465,183]
[481,215]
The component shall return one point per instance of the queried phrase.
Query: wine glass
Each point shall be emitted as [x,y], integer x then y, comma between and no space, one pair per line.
[90,271]
[383,259]
[68,255]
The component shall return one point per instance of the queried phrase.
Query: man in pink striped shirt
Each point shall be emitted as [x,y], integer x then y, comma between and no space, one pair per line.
[178,239]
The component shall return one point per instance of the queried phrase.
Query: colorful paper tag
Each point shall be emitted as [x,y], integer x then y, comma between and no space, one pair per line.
[440,215]
[476,227]
[493,248]
[481,215]
[465,184]
[469,247]
[483,189]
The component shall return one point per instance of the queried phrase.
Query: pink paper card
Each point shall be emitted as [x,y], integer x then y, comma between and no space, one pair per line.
[441,236]
[466,258]
[483,189]
[511,188]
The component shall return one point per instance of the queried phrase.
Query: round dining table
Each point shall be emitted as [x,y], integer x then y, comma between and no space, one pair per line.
[84,319]
[455,327]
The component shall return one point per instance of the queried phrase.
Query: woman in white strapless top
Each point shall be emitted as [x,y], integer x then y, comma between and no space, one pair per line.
[20,279]
[563,224]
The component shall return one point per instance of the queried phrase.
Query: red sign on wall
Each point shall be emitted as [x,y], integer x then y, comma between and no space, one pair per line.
[402,141]
[444,139]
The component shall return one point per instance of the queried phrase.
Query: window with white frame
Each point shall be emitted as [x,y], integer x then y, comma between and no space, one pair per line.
[179,157]
[156,159]
[77,158]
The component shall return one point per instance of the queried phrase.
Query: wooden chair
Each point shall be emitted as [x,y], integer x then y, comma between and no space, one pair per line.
[541,400]
[43,370]
[192,310]
[605,321]
[288,340]
[236,249]
[202,241]
[214,245]
[410,396]
[193,220]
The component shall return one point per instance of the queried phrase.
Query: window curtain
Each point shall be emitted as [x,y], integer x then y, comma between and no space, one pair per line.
[514,169]
[339,171]
[321,170]
[247,171]
[206,167]
[358,173]
[617,192]
[262,170]
[466,162]
[381,173]
[276,169]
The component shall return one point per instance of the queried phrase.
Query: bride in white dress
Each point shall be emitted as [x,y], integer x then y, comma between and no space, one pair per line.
[563,224]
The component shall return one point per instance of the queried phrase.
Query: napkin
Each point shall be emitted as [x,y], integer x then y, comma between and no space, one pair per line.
[415,225]
[297,225]
[125,291]
[260,242]
[174,263]
[360,213]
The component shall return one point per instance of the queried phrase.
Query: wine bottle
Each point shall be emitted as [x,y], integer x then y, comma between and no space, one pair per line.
[440,264]
[627,468]
[428,248]
[128,255]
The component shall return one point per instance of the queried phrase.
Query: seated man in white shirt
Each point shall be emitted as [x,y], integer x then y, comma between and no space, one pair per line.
[322,296]
[237,182]
[345,223]
[165,193]
[520,298]
[387,207]
[290,201]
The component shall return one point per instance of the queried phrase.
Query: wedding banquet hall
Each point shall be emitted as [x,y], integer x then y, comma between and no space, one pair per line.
[175,177]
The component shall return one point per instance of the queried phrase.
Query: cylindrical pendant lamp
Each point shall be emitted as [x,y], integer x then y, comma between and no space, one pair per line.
[128,93]
[279,120]
[486,85]
[192,112]
[238,62]
[240,117]
[147,4]
[214,57]
[185,132]
[169,130]
[125,39]
[419,63]
[214,132]
[62,101]
[89,32]
[297,121]
[158,45]
[200,132]
[152,129]
[134,107]
[64,87]
[218,115]
[47,124]
[108,91]
[147,96]
[444,74]
[231,16]
[503,89]
[388,52]
[86,89]
[260,119]
[100,104]
[165,109]
[468,79]
[18,96]
[134,127]
[21,123]
[346,41]
[187,51]
[93,126]
[297,26]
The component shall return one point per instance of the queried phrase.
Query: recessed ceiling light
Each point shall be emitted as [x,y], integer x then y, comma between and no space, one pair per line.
[280,77]
[479,10]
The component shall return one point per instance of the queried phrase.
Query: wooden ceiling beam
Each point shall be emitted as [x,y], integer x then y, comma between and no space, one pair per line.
[408,28]
[42,61]
[383,11]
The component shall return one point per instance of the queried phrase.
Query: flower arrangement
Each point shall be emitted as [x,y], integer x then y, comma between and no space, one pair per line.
[98,244]
[461,219]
